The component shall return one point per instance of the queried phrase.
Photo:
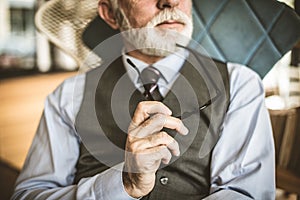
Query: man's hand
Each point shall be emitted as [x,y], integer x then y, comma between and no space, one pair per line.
[147,146]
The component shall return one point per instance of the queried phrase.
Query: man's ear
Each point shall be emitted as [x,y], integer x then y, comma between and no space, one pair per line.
[106,13]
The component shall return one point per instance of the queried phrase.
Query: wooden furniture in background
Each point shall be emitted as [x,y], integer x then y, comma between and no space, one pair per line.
[22,102]
[286,130]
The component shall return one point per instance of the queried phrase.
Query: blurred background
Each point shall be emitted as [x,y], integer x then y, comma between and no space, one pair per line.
[23,50]
[31,67]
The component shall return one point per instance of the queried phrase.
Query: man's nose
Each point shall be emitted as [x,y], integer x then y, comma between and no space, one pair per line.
[162,4]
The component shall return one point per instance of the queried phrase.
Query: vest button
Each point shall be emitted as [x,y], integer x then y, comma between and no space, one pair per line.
[164,180]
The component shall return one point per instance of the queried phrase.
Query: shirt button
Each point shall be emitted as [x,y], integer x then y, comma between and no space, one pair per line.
[164,180]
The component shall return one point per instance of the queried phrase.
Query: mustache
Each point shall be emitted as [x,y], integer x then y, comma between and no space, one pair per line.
[166,15]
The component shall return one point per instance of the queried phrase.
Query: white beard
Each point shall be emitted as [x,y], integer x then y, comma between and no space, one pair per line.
[157,41]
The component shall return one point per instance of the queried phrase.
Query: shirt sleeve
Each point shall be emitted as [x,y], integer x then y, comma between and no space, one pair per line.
[50,165]
[243,160]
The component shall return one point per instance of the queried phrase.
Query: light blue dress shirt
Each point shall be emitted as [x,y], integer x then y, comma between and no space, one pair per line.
[168,71]
[242,160]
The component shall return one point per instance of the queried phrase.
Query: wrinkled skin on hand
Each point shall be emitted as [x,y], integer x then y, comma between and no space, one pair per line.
[147,146]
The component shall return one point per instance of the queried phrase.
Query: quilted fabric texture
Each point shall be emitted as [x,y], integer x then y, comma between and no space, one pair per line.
[256,33]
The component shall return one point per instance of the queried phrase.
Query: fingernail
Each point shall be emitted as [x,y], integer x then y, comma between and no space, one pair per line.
[169,112]
[185,131]
[165,162]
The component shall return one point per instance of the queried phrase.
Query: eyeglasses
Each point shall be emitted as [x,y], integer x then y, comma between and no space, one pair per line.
[202,107]
[209,102]
[206,104]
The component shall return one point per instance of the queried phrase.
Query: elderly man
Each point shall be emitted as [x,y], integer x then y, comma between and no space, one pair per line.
[222,151]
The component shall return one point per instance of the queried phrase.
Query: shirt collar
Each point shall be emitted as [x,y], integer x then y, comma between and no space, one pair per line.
[168,66]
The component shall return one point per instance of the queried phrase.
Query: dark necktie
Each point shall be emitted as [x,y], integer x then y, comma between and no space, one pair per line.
[149,77]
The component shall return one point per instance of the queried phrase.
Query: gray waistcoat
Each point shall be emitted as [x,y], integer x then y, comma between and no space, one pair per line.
[188,176]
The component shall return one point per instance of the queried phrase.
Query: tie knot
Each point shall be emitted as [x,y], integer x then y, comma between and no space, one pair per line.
[150,75]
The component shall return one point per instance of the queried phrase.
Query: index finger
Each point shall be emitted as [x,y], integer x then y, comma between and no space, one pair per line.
[147,108]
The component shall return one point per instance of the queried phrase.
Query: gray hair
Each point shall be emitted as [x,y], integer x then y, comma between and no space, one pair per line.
[114,4]
[122,20]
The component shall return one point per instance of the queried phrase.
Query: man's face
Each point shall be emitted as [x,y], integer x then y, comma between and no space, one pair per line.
[158,23]
[140,12]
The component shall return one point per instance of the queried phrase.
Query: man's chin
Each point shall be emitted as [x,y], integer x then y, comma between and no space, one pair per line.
[157,52]
[155,41]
